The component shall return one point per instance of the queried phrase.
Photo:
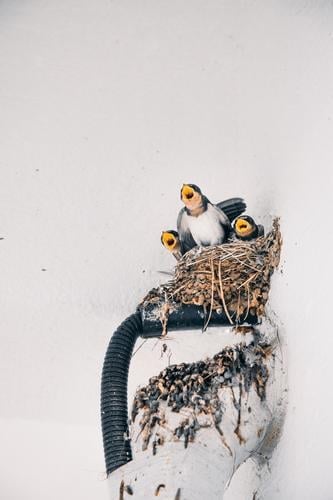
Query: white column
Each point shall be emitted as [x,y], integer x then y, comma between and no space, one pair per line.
[205,467]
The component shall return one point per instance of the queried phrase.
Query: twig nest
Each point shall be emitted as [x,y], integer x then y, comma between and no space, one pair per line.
[233,277]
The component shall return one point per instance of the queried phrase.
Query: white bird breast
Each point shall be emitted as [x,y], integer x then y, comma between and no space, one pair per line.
[206,229]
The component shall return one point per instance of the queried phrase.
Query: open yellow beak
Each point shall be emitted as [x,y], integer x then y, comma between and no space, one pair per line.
[187,192]
[168,240]
[243,227]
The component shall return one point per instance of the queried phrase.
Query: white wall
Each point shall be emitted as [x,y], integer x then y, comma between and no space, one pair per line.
[106,109]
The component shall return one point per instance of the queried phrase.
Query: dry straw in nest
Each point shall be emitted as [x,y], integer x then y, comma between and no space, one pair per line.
[233,278]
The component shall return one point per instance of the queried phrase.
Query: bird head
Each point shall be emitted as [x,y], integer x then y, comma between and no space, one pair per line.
[191,196]
[244,226]
[170,239]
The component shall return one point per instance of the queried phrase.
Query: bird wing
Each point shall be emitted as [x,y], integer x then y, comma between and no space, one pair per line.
[185,235]
[232,207]
[223,218]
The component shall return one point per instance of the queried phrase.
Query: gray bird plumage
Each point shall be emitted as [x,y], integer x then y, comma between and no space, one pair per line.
[208,224]
[209,228]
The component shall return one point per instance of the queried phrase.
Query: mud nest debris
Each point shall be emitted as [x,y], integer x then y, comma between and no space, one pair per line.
[233,278]
[196,387]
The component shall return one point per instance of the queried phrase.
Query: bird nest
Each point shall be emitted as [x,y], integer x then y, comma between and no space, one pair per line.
[233,278]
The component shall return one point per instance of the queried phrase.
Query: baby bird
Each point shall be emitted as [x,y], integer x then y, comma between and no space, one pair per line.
[246,229]
[170,240]
[200,222]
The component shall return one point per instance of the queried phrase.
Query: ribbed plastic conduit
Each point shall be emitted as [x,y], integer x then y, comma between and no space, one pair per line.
[114,412]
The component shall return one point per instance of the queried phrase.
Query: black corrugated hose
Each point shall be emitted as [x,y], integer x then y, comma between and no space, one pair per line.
[117,446]
[145,322]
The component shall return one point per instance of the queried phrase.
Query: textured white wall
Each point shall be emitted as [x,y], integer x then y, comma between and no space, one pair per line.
[106,109]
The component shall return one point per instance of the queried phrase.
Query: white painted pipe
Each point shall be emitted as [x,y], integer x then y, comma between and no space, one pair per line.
[205,468]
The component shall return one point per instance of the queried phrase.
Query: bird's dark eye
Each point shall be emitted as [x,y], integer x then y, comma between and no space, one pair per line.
[189,196]
[170,242]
